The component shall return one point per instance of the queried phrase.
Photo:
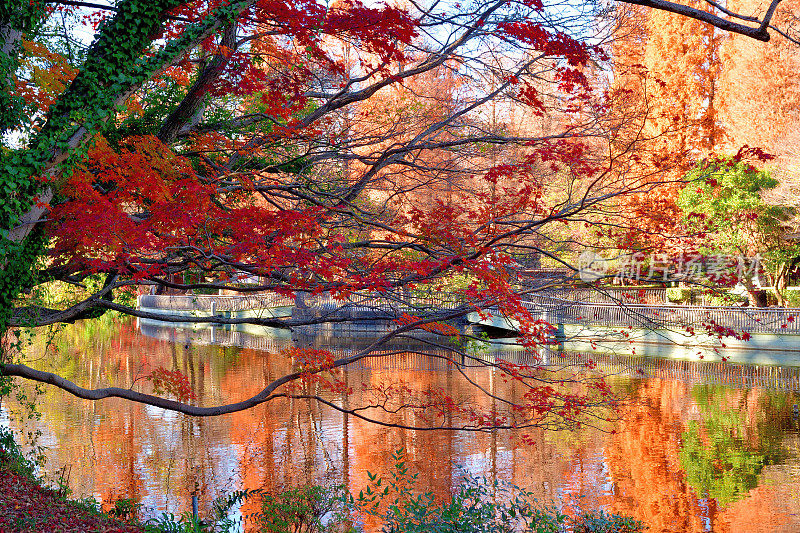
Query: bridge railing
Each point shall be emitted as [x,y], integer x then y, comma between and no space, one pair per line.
[392,303]
[189,302]
[754,320]
[738,319]
[633,295]
[388,301]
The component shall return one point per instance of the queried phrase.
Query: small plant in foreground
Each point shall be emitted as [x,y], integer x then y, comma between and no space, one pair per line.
[601,522]
[478,506]
[169,523]
[125,508]
[311,509]
[12,458]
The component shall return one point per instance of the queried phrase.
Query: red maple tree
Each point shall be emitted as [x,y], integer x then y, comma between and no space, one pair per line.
[346,150]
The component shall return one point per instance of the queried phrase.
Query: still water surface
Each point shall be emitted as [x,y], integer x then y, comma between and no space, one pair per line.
[699,447]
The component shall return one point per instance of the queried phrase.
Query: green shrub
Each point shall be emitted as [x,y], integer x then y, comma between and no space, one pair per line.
[724,299]
[169,523]
[478,506]
[311,509]
[792,298]
[678,295]
[11,457]
[125,508]
[600,522]
[219,522]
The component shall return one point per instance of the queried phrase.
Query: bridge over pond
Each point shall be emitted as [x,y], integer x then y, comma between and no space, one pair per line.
[748,335]
[613,322]
[619,308]
[369,307]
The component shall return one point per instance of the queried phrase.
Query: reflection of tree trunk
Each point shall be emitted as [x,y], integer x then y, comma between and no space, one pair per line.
[493,448]
[267,454]
[290,424]
[449,422]
[191,371]
[713,517]
[132,485]
[201,387]
[345,434]
[174,350]
[308,443]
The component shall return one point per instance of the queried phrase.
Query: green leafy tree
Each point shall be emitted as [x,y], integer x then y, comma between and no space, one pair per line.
[722,202]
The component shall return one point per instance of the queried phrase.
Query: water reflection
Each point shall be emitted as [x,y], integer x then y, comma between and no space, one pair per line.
[698,447]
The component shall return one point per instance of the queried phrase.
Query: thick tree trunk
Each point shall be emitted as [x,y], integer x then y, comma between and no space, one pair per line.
[755,297]
[190,110]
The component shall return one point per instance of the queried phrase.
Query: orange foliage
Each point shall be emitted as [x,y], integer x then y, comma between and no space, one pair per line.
[667,66]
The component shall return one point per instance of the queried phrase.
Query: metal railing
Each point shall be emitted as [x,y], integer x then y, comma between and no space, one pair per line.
[392,304]
[209,303]
[617,312]
[738,319]
[647,295]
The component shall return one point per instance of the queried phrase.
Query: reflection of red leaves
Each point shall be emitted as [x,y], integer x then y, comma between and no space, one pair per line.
[747,153]
[171,382]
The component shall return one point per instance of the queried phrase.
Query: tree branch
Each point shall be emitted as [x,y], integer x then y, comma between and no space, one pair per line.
[191,106]
[759,33]
[265,395]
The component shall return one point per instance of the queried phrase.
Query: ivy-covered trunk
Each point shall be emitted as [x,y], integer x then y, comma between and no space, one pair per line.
[32,175]
[18,251]
[115,66]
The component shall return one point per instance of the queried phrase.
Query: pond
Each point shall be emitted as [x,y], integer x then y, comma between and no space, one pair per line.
[697,446]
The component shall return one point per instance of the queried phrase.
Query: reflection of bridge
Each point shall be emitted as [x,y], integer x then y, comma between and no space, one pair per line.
[698,372]
[404,353]
[270,340]
[415,355]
